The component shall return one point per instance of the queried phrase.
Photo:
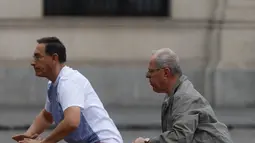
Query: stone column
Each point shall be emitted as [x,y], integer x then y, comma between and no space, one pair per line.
[235,74]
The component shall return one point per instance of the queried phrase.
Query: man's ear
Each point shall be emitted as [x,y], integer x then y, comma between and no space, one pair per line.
[55,57]
[167,72]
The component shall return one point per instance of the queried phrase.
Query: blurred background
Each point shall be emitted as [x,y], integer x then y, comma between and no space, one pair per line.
[110,42]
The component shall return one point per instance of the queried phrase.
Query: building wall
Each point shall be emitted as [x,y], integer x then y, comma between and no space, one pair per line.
[113,53]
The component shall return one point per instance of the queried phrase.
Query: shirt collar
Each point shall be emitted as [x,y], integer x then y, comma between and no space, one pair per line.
[59,75]
[175,87]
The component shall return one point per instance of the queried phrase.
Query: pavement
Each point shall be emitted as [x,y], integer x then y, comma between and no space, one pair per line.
[132,122]
[130,117]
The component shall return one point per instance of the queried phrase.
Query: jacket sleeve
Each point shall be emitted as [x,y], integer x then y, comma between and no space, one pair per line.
[185,121]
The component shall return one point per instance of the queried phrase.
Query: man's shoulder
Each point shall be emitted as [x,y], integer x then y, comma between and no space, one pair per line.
[187,90]
[72,75]
[184,102]
[185,97]
[189,95]
[73,79]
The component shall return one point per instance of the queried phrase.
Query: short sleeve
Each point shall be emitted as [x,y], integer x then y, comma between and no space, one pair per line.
[70,94]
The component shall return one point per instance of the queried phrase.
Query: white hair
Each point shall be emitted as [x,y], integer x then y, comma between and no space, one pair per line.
[165,57]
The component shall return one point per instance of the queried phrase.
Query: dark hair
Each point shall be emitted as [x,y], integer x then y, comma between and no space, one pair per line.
[54,46]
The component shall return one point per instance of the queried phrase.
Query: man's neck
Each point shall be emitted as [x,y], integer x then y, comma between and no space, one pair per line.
[173,85]
[55,73]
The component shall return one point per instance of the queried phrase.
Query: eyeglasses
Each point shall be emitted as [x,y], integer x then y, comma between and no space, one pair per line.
[151,71]
[37,57]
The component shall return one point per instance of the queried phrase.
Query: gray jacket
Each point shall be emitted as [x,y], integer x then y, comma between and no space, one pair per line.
[187,117]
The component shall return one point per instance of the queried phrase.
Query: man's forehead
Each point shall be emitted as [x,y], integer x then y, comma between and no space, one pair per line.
[40,48]
[152,63]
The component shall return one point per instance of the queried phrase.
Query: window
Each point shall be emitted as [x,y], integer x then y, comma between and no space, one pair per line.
[106,7]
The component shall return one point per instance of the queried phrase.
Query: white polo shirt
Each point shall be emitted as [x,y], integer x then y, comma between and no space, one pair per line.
[73,89]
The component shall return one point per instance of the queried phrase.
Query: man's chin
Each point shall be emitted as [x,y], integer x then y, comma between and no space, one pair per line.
[157,90]
[38,74]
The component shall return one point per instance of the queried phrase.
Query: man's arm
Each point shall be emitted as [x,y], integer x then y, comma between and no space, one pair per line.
[42,121]
[70,123]
[185,122]
[71,98]
[183,131]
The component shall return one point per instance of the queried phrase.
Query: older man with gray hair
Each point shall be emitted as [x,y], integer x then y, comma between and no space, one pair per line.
[187,117]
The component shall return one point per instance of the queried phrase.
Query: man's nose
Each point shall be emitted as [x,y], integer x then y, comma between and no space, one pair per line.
[32,63]
[148,75]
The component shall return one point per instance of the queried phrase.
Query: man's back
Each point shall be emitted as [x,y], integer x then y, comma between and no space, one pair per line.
[94,118]
[191,118]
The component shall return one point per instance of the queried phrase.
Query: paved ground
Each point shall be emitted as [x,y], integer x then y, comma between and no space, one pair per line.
[243,121]
[238,136]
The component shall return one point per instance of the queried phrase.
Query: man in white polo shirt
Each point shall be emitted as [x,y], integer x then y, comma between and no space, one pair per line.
[72,104]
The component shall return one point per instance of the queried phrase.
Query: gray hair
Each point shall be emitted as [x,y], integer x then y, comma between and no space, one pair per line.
[166,58]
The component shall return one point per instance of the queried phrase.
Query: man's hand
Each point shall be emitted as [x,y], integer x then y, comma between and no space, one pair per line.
[141,140]
[21,137]
[27,140]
